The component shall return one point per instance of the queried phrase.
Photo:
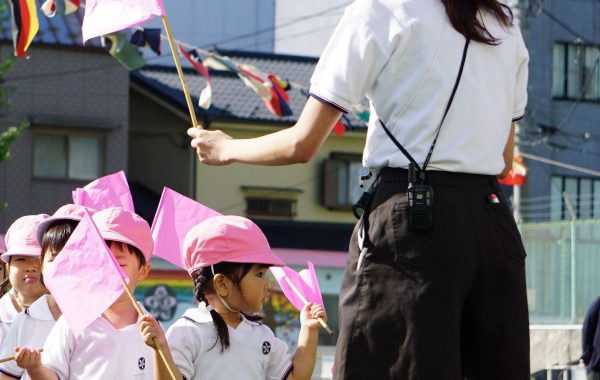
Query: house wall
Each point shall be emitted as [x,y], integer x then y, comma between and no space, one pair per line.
[220,187]
[71,88]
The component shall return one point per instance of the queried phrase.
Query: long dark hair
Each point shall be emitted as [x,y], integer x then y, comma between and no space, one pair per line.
[5,281]
[463,17]
[202,286]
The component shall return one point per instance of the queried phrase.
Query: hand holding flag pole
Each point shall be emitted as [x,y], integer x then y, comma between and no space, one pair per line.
[141,313]
[14,357]
[306,280]
[299,294]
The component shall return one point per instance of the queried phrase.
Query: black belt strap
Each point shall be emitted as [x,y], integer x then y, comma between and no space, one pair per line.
[404,151]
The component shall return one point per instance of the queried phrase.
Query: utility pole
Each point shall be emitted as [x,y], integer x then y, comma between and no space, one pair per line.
[520,9]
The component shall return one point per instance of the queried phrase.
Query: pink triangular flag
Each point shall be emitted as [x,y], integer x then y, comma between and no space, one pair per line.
[105,192]
[109,16]
[85,277]
[305,281]
[2,244]
[175,216]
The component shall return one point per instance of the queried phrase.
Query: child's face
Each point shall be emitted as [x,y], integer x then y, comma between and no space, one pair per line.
[24,275]
[254,288]
[130,265]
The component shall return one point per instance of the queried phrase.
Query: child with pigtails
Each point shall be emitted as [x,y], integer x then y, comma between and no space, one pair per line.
[228,258]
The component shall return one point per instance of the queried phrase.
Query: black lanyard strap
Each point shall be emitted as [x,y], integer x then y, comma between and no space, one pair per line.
[404,151]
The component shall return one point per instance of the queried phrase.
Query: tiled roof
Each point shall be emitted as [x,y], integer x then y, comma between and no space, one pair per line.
[57,30]
[232,99]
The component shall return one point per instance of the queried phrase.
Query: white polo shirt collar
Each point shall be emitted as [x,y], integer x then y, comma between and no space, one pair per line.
[202,315]
[40,309]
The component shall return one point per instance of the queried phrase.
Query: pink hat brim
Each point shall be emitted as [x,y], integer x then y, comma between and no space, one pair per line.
[115,236]
[21,251]
[44,225]
[264,257]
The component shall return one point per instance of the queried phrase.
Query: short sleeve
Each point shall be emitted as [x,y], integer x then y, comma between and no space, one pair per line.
[184,348]
[10,368]
[351,61]
[520,96]
[58,349]
[280,362]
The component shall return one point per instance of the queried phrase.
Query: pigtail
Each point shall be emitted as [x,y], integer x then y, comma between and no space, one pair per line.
[201,278]
[4,287]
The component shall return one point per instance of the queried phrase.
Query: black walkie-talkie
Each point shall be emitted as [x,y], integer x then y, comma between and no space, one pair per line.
[420,201]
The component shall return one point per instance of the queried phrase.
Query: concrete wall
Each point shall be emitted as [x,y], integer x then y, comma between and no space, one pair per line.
[73,88]
[552,345]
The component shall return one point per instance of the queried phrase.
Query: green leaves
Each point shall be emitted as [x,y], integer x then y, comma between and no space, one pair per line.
[8,137]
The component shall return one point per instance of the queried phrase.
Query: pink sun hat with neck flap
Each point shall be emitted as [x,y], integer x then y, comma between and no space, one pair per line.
[68,212]
[21,239]
[226,238]
[119,224]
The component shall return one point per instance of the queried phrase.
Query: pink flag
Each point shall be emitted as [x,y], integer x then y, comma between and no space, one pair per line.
[85,277]
[305,282]
[2,244]
[175,216]
[105,192]
[109,16]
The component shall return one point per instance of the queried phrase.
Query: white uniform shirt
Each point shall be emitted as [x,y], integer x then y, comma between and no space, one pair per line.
[7,314]
[29,329]
[404,55]
[254,352]
[101,353]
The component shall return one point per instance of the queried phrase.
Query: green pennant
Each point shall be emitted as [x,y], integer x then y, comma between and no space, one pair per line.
[119,47]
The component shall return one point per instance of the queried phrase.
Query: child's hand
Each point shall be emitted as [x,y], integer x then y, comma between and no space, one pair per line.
[151,329]
[309,315]
[28,358]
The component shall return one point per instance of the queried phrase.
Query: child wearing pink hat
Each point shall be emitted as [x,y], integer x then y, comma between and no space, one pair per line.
[30,329]
[110,347]
[22,260]
[227,258]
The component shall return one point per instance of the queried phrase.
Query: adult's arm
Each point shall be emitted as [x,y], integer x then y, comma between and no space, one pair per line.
[297,144]
[588,331]
[508,152]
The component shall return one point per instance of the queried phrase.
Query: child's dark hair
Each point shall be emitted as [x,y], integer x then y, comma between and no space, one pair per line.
[124,246]
[203,285]
[5,282]
[55,238]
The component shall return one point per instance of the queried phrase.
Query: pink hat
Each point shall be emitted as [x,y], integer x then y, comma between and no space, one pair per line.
[20,238]
[119,224]
[69,212]
[226,238]
[2,244]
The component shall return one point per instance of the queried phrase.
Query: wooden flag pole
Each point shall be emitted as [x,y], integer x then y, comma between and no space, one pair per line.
[295,289]
[186,91]
[139,310]
[14,357]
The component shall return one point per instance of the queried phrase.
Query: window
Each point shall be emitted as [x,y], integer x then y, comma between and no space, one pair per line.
[67,156]
[582,193]
[275,202]
[575,68]
[341,181]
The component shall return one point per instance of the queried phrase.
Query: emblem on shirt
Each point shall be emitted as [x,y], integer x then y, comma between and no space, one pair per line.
[141,363]
[266,348]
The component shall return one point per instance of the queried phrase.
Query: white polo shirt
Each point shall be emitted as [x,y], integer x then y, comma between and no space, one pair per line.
[254,352]
[101,353]
[7,314]
[404,55]
[29,329]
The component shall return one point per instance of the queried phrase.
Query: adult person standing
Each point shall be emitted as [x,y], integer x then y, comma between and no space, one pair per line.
[446,301]
[590,340]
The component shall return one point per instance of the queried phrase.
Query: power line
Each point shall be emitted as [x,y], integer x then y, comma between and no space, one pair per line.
[270,29]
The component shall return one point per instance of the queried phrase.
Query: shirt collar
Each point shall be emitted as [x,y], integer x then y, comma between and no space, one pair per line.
[40,309]
[201,314]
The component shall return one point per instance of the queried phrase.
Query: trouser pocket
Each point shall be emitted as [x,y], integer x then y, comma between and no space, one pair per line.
[507,231]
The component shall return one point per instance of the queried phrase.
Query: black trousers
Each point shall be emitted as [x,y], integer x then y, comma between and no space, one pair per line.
[448,303]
